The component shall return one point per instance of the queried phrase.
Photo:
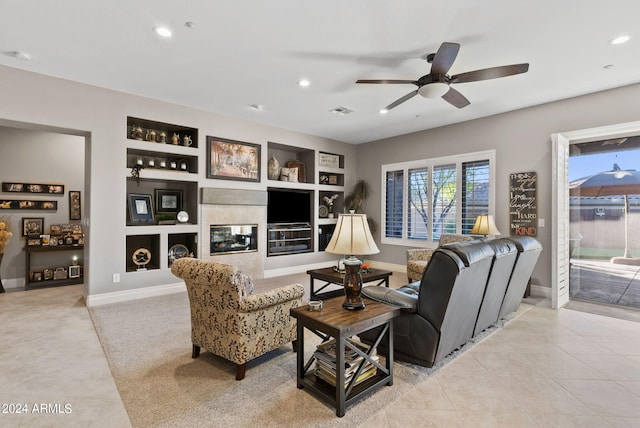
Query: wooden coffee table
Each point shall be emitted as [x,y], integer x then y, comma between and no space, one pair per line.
[335,321]
[331,276]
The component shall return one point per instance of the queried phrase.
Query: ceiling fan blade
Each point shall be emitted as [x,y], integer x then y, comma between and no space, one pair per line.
[386,81]
[400,100]
[455,98]
[490,73]
[444,58]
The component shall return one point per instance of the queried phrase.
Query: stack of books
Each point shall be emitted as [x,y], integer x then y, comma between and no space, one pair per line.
[325,358]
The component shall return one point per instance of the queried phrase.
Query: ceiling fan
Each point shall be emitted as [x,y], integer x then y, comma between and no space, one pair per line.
[437,82]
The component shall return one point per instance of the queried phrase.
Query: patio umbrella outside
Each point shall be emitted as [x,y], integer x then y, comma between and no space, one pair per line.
[617,182]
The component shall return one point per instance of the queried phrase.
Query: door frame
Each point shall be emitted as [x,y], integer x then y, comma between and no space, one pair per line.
[560,233]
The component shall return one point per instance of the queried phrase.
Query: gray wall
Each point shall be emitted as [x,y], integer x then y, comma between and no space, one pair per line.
[34,101]
[37,157]
[522,140]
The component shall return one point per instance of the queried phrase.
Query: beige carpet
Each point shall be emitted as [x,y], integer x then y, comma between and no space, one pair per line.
[147,344]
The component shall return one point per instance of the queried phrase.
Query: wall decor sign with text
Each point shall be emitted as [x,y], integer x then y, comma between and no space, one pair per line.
[51,189]
[523,205]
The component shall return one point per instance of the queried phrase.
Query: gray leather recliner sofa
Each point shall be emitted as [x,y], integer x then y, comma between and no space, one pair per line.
[441,312]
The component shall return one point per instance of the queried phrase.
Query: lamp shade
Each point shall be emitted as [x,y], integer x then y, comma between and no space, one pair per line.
[352,236]
[485,226]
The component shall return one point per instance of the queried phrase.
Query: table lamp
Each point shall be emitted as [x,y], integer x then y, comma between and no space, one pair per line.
[352,237]
[485,225]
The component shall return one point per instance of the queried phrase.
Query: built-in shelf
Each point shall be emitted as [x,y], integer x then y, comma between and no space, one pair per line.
[161,166]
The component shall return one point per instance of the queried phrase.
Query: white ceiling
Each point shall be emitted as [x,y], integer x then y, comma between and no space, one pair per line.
[245,52]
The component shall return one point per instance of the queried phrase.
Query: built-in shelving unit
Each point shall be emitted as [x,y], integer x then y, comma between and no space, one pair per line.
[323,177]
[162,168]
[289,238]
[39,272]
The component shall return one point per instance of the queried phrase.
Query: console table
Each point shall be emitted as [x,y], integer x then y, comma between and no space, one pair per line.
[331,276]
[335,321]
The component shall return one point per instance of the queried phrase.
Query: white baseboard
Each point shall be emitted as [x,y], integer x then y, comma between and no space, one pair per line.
[540,291]
[138,293]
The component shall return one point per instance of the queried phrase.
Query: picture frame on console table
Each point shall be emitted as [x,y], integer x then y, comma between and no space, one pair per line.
[233,160]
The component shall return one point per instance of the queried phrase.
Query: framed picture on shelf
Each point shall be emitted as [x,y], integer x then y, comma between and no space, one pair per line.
[32,226]
[168,201]
[140,208]
[74,271]
[232,160]
[74,205]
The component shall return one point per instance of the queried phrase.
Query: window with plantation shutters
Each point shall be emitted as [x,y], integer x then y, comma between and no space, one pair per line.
[418,201]
[393,205]
[475,192]
[426,198]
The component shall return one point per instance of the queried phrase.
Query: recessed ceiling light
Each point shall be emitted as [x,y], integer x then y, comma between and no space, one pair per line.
[258,107]
[383,111]
[304,83]
[620,40]
[191,25]
[608,67]
[163,31]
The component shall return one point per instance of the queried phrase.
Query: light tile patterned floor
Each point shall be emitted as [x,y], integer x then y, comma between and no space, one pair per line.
[544,369]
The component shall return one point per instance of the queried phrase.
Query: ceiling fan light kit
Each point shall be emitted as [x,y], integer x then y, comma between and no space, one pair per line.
[433,90]
[437,84]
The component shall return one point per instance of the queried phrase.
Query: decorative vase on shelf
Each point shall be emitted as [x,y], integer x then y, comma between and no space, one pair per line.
[273,168]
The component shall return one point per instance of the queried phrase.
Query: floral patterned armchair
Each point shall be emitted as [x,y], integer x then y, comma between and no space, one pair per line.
[417,259]
[228,320]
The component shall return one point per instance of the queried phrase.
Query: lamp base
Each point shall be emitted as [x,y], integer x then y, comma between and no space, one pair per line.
[352,285]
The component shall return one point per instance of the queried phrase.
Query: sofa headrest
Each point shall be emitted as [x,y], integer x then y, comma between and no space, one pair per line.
[470,251]
[502,247]
[526,243]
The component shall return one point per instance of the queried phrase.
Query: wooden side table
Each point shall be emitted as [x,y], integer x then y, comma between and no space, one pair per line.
[335,321]
[331,276]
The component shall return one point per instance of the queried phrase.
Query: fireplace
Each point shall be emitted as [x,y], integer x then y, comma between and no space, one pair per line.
[233,238]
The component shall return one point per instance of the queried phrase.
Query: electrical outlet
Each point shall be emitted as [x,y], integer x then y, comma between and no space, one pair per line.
[540,222]
[116,278]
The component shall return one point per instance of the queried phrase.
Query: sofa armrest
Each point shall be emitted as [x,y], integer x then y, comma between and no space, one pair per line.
[405,298]
[280,295]
[419,254]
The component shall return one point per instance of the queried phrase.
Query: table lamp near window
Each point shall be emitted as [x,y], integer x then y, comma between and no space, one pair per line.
[352,237]
[485,226]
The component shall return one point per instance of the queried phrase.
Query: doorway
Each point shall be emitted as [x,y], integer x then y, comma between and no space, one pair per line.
[50,158]
[561,237]
[604,215]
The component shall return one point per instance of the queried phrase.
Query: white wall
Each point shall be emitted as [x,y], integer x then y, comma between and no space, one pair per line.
[522,140]
[37,157]
[34,101]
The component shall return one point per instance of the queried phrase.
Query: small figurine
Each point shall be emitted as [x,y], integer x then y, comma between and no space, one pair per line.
[175,139]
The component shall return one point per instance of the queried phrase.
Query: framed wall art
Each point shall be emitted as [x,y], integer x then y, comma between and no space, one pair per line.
[51,189]
[168,201]
[18,204]
[140,208]
[32,226]
[75,212]
[232,160]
